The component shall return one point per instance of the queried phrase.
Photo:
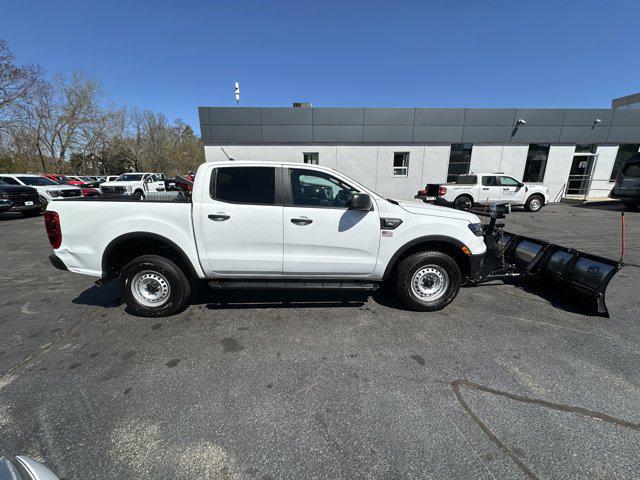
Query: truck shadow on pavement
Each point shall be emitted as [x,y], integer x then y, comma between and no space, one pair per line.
[108,295]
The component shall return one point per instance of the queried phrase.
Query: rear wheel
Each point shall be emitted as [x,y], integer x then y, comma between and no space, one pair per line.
[427,281]
[463,202]
[154,286]
[534,203]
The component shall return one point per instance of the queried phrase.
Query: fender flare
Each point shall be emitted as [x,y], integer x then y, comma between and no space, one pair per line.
[113,244]
[427,238]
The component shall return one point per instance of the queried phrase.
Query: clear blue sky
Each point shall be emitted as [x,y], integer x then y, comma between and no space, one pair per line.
[172,56]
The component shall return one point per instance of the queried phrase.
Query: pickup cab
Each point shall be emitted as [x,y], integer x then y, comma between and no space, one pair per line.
[486,189]
[264,224]
[136,185]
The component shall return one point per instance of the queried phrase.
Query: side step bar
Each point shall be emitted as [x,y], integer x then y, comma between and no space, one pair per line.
[292,284]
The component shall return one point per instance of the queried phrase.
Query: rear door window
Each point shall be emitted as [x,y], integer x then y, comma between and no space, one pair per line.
[251,185]
[467,180]
[490,181]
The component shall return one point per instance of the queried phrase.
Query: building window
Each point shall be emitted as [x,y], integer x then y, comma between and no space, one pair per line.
[311,158]
[536,162]
[459,160]
[400,164]
[624,152]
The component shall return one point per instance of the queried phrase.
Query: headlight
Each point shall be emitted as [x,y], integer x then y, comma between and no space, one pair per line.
[477,228]
[128,187]
[53,193]
[5,203]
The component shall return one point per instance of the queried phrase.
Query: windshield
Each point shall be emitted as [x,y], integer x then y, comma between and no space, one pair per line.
[129,177]
[37,181]
[86,179]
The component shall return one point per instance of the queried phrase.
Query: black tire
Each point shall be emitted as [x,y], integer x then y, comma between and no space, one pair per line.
[138,195]
[630,205]
[534,203]
[179,289]
[430,260]
[463,202]
[32,213]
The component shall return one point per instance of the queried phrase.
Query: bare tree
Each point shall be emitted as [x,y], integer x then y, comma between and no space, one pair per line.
[17,84]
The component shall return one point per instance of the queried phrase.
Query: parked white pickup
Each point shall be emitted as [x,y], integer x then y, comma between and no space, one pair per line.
[135,184]
[285,224]
[487,188]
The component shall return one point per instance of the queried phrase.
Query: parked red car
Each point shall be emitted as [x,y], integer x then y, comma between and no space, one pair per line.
[64,180]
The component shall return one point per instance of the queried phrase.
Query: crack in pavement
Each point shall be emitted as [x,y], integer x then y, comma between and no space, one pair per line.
[457,384]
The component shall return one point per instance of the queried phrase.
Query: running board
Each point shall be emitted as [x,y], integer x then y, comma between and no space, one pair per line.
[292,284]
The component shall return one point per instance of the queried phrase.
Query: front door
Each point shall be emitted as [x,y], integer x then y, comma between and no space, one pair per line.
[321,235]
[512,190]
[240,222]
[580,174]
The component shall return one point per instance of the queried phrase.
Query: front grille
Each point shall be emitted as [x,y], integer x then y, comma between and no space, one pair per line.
[71,193]
[113,189]
[21,197]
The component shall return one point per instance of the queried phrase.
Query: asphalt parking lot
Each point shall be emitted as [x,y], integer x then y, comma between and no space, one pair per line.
[246,385]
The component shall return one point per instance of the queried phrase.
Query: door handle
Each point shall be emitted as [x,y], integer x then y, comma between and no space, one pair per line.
[485,188]
[505,189]
[301,221]
[219,217]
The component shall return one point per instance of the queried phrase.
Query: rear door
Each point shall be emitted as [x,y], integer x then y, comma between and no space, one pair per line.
[512,190]
[490,190]
[240,222]
[321,235]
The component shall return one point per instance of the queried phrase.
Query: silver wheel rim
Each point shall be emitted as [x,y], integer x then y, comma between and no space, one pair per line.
[150,289]
[430,282]
[534,204]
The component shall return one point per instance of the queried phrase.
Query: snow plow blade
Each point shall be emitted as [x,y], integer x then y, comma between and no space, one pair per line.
[584,274]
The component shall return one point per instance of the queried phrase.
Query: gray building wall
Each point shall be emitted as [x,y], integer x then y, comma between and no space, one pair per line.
[361,141]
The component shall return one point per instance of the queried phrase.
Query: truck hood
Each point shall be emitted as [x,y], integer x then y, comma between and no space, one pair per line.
[438,211]
[17,189]
[55,187]
[120,184]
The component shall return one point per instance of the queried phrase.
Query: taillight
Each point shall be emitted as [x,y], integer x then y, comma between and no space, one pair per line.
[442,191]
[52,224]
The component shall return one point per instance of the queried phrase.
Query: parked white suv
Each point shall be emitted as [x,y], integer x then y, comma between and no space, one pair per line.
[486,189]
[47,189]
[134,184]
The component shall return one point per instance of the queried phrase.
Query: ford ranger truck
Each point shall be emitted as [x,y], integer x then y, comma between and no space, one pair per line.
[259,224]
[486,189]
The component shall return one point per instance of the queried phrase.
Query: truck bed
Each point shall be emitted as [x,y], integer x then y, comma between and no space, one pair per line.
[89,225]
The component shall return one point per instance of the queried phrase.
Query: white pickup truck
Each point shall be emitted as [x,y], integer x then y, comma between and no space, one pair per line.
[135,184]
[267,225]
[486,189]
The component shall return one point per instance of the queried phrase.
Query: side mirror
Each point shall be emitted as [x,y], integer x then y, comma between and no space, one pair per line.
[360,201]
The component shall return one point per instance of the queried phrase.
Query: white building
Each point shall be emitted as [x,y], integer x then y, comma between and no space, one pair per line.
[396,151]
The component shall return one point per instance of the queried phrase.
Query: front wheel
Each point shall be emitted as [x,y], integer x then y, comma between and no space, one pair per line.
[534,203]
[427,281]
[154,286]
[32,213]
